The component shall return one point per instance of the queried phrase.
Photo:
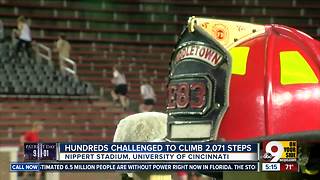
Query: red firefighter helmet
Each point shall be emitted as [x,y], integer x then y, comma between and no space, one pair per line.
[241,81]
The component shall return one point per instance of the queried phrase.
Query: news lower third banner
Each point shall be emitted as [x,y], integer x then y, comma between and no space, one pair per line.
[16,167]
[151,152]
[139,157]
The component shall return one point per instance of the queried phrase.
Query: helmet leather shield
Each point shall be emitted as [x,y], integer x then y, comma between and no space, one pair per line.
[198,87]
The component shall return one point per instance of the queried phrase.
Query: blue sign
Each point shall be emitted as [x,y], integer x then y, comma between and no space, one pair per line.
[15,167]
[157,147]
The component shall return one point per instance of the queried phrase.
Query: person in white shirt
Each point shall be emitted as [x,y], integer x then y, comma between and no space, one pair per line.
[148,96]
[121,88]
[63,47]
[24,37]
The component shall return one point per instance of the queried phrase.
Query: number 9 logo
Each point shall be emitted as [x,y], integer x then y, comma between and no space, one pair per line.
[275,148]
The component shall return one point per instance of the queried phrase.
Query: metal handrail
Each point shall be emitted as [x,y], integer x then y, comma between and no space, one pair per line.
[1,31]
[47,56]
[72,70]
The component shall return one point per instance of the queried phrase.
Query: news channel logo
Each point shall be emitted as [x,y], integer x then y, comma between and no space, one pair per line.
[279,151]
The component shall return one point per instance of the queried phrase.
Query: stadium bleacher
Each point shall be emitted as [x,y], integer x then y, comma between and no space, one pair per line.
[64,119]
[24,76]
[138,34]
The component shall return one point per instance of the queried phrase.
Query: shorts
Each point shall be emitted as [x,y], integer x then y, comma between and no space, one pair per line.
[148,102]
[121,89]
